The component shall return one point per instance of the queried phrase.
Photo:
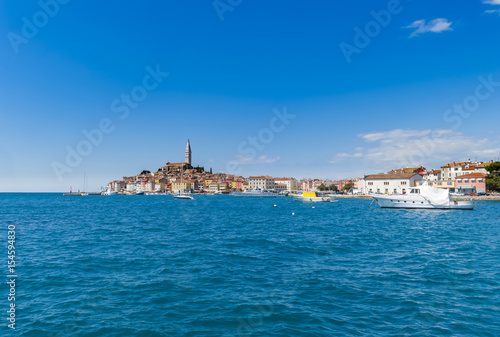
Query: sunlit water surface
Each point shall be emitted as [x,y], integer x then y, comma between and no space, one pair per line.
[225,266]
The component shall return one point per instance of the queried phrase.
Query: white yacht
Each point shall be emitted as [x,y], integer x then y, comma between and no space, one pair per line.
[109,192]
[422,197]
[256,193]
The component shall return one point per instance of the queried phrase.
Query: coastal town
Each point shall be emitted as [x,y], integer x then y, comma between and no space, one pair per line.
[462,178]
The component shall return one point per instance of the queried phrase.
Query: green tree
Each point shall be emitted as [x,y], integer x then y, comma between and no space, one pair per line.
[348,186]
[322,187]
[145,172]
[334,187]
[493,178]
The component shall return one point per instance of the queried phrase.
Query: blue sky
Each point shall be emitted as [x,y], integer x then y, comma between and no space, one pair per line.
[230,68]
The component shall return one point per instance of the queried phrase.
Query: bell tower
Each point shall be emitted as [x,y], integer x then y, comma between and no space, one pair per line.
[188,153]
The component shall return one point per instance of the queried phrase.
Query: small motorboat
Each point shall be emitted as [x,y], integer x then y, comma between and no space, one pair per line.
[183,196]
[312,197]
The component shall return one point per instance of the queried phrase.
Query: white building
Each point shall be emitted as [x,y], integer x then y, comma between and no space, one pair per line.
[290,184]
[306,185]
[360,186]
[479,167]
[432,175]
[130,187]
[453,170]
[262,182]
[398,183]
[150,186]
[213,187]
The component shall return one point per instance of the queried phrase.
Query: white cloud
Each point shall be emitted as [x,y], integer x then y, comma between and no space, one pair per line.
[486,153]
[492,11]
[249,159]
[492,2]
[434,26]
[432,148]
[397,133]
[343,156]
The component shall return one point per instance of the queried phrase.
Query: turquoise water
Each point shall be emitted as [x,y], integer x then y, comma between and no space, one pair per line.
[224,266]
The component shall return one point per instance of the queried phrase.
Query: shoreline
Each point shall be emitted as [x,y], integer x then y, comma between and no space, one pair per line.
[473,198]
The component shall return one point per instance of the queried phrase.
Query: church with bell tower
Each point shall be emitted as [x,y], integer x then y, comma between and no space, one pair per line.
[187,164]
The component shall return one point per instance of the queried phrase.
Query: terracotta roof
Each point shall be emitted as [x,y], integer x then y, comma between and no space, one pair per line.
[430,172]
[176,164]
[390,176]
[480,165]
[455,164]
[473,175]
[405,170]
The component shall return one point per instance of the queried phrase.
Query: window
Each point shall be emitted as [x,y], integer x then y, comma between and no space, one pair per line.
[466,180]
[395,191]
[430,184]
[440,183]
[473,180]
[386,183]
[450,183]
[370,183]
[480,180]
[378,190]
[403,183]
[459,180]
[386,191]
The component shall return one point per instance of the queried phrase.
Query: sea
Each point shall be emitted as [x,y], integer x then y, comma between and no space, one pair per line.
[225,266]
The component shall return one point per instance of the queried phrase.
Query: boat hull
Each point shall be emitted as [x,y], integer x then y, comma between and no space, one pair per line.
[313,199]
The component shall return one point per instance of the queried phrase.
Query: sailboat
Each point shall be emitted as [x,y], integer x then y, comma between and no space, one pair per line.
[183,195]
[84,183]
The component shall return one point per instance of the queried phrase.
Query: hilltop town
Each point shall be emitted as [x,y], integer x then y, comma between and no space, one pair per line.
[466,177]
